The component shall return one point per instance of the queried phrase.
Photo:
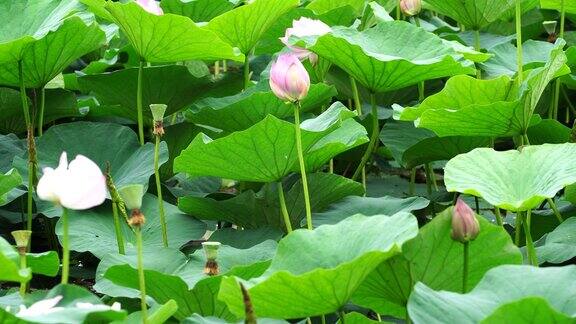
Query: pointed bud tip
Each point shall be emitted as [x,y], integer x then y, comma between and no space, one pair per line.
[465,226]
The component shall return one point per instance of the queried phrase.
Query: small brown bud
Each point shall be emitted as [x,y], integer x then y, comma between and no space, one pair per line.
[137,219]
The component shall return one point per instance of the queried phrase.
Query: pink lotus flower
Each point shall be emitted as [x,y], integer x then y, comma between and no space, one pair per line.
[301,28]
[411,7]
[289,79]
[465,226]
[151,6]
[80,185]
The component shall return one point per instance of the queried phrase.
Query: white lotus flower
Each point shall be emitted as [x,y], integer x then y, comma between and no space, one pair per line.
[301,28]
[151,6]
[42,307]
[80,185]
[115,306]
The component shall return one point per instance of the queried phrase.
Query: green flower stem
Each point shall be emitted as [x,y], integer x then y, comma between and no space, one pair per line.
[562,17]
[22,267]
[520,59]
[412,187]
[65,247]
[499,220]
[557,83]
[529,243]
[27,118]
[224,66]
[41,112]
[302,164]
[342,316]
[284,209]
[421,84]
[465,267]
[356,96]
[429,178]
[117,229]
[518,228]
[246,71]
[216,69]
[159,191]
[141,278]
[478,48]
[373,139]
[555,209]
[139,103]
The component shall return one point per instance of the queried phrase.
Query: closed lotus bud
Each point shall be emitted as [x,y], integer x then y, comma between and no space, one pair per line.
[465,226]
[301,28]
[411,7]
[151,6]
[289,80]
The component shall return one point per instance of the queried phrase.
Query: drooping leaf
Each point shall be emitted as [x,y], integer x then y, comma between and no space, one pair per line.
[434,259]
[252,210]
[130,163]
[168,38]
[513,180]
[266,151]
[197,10]
[331,262]
[559,245]
[45,58]
[411,146]
[367,206]
[25,22]
[474,14]
[93,230]
[8,181]
[549,131]
[243,26]
[389,56]
[504,284]
[247,108]
[172,85]
[505,60]
[10,270]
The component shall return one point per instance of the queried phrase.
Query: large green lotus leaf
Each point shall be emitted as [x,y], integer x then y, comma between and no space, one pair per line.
[434,259]
[569,6]
[10,270]
[172,85]
[319,270]
[504,61]
[24,22]
[264,152]
[244,26]
[68,311]
[46,263]
[197,10]
[59,104]
[390,56]
[504,284]
[8,181]
[168,38]
[93,230]
[245,238]
[473,14]
[367,206]
[411,146]
[549,131]
[45,58]
[10,147]
[337,12]
[529,310]
[471,107]
[559,245]
[247,108]
[513,180]
[130,163]
[253,210]
[189,286]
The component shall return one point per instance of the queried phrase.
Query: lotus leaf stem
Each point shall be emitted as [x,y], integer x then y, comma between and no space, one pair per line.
[529,243]
[298,134]
[283,208]
[65,247]
[159,191]
[139,103]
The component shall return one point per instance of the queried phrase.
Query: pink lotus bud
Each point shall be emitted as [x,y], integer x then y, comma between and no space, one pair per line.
[80,185]
[301,28]
[151,6]
[289,79]
[465,226]
[411,7]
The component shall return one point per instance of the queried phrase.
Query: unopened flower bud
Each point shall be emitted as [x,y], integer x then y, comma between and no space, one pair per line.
[132,196]
[465,226]
[211,251]
[22,239]
[411,7]
[289,80]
